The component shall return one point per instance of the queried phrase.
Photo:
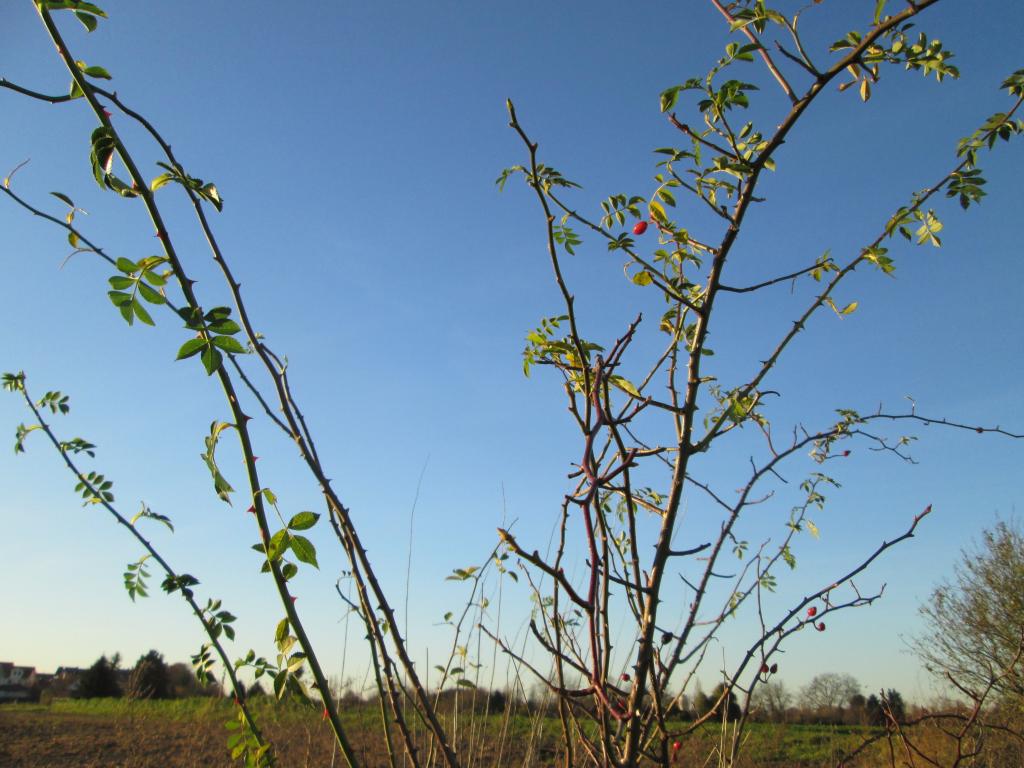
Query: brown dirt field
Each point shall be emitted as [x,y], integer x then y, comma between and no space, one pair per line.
[39,739]
[34,738]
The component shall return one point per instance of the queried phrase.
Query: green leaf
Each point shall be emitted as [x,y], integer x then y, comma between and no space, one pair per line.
[303,521]
[209,191]
[282,631]
[212,360]
[104,143]
[304,550]
[226,327]
[88,21]
[98,72]
[141,313]
[189,348]
[160,181]
[625,384]
[278,545]
[146,512]
[643,277]
[73,5]
[220,485]
[879,9]
[229,345]
[120,282]
[1015,83]
[150,294]
[669,97]
[119,299]
[63,198]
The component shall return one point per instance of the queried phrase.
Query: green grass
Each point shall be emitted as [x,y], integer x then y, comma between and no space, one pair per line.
[763,743]
[787,744]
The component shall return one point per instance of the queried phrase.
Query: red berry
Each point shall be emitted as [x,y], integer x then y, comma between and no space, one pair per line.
[820,626]
[846,453]
[640,227]
[625,677]
[774,668]
[812,612]
[675,746]
[765,669]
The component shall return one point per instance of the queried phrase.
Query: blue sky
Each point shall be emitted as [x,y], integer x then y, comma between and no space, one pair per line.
[356,146]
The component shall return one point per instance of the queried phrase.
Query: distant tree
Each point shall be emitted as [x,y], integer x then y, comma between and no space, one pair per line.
[975,623]
[704,703]
[873,710]
[875,707]
[255,690]
[149,678]
[100,680]
[698,701]
[773,699]
[856,709]
[829,692]
[183,682]
[496,701]
[896,705]
[682,708]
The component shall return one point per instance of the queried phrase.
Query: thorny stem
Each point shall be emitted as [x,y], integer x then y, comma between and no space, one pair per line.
[300,433]
[240,418]
[684,410]
[762,51]
[297,428]
[186,593]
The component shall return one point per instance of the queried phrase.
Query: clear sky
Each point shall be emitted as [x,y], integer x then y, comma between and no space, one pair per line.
[356,147]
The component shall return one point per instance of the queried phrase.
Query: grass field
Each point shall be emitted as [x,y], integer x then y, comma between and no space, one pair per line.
[189,733]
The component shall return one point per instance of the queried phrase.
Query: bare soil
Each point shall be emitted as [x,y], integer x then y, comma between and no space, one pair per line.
[41,739]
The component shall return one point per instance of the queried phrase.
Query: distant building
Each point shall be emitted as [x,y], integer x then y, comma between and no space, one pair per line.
[18,683]
[65,681]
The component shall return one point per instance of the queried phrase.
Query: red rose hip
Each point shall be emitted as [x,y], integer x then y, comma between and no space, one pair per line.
[640,227]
